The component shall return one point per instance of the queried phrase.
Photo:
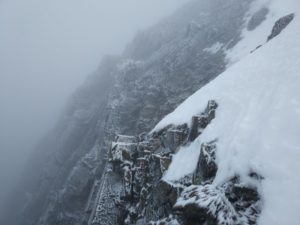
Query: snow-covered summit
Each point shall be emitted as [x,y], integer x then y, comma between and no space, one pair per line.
[257,123]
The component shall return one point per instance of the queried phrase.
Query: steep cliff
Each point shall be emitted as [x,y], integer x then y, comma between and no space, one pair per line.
[228,154]
[68,180]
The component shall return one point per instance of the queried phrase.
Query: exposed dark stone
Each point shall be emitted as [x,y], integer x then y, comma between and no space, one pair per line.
[256,176]
[227,204]
[194,128]
[259,46]
[175,137]
[142,161]
[280,25]
[193,215]
[201,121]
[206,166]
[191,200]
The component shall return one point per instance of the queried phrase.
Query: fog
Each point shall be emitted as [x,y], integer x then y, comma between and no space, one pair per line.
[47,47]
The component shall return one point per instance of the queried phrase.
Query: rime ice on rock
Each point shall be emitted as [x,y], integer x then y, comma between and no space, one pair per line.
[143,160]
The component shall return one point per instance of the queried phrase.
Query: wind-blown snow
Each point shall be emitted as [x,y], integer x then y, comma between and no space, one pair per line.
[257,122]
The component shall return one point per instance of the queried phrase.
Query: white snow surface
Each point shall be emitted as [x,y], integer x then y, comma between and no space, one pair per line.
[252,39]
[257,121]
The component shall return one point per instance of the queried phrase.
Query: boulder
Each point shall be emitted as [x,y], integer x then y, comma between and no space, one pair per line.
[280,25]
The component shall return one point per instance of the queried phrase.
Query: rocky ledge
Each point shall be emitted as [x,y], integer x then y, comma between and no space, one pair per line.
[145,197]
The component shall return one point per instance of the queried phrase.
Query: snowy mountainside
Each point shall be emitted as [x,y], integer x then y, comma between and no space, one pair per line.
[67,180]
[228,155]
[257,122]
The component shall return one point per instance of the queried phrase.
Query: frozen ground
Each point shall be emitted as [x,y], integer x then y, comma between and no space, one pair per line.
[258,119]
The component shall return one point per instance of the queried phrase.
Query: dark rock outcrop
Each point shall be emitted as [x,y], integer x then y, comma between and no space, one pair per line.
[140,162]
[150,199]
[200,122]
[210,204]
[280,25]
[206,166]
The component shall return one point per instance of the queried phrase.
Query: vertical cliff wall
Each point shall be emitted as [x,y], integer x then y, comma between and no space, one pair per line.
[127,94]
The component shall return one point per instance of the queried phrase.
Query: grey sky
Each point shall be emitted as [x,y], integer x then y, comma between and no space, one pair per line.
[47,47]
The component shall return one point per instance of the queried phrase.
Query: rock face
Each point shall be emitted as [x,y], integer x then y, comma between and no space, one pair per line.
[206,167]
[145,197]
[228,204]
[68,180]
[280,25]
